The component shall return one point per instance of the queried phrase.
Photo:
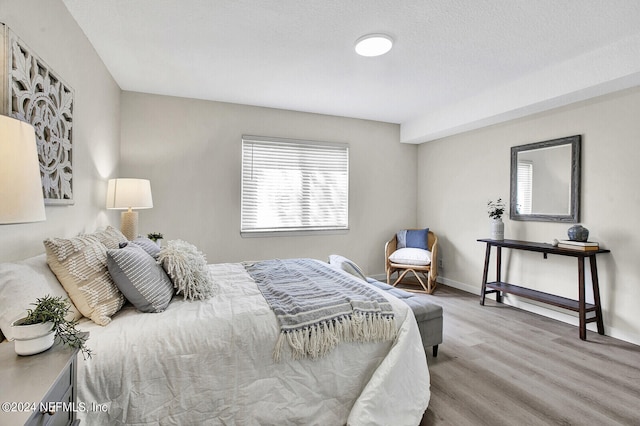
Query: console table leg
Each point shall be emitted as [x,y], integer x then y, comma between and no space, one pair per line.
[487,255]
[581,306]
[596,293]
[498,271]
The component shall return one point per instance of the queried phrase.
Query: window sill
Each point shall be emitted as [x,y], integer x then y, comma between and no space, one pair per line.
[296,233]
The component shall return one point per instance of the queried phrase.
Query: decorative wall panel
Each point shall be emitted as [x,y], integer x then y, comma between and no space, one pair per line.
[33,92]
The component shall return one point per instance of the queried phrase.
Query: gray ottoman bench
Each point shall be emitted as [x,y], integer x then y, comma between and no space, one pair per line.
[428,315]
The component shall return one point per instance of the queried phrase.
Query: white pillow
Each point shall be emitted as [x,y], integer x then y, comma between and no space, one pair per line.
[411,256]
[21,283]
[341,262]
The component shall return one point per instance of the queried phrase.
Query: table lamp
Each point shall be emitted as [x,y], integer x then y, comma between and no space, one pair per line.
[21,198]
[128,194]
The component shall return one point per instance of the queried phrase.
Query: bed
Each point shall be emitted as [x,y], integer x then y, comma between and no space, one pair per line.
[212,362]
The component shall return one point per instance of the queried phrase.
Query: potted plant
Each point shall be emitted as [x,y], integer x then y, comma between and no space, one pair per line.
[156,237]
[36,332]
[496,210]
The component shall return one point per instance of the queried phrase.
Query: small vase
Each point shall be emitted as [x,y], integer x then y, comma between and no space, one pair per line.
[497,229]
[578,233]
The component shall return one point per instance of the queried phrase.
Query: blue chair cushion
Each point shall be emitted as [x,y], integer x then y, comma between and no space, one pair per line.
[417,238]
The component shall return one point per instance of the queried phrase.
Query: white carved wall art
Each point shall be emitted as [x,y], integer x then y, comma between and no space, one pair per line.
[34,93]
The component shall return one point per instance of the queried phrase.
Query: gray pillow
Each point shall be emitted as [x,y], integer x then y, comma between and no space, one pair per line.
[402,239]
[142,281]
[147,245]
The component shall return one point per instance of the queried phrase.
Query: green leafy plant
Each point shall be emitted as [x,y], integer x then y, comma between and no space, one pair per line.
[55,309]
[495,208]
[154,236]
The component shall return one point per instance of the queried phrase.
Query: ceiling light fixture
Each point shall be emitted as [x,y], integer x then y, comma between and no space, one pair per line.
[373,44]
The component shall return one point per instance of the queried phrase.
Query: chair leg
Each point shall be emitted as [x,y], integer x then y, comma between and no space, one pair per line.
[426,288]
[431,283]
[401,276]
[427,284]
[435,351]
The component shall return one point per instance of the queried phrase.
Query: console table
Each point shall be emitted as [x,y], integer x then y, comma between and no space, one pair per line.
[499,287]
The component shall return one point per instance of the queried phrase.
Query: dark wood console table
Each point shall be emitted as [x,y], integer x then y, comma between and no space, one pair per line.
[499,287]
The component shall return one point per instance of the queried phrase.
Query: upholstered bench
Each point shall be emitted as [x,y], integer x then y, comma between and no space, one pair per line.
[428,315]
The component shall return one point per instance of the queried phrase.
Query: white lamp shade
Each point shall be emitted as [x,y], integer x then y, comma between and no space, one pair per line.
[21,198]
[129,194]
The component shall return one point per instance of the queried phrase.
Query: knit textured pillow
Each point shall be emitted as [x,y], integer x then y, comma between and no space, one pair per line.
[80,264]
[110,237]
[187,268]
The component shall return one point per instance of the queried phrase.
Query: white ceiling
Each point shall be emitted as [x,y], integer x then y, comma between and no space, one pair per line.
[456,64]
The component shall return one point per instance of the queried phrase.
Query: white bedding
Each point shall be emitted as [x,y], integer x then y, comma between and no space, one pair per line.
[210,362]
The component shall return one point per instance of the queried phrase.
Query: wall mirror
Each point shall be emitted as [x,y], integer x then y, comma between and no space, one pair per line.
[545,181]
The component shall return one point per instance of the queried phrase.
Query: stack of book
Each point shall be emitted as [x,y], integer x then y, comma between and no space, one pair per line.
[578,245]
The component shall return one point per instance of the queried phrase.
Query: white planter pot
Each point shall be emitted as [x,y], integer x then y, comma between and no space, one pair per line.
[497,229]
[34,338]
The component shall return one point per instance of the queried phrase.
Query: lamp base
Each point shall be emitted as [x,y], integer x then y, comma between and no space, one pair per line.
[129,224]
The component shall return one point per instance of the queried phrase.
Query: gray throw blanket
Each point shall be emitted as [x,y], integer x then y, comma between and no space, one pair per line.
[318,307]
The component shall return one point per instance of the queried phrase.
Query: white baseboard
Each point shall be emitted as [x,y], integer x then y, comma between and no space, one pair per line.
[530,306]
[460,286]
[379,277]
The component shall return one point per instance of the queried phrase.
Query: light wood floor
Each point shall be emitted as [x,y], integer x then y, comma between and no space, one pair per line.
[500,365]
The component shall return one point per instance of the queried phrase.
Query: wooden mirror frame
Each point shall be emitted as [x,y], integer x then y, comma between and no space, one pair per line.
[574,202]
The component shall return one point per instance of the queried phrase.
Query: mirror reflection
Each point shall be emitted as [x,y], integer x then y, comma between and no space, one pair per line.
[545,180]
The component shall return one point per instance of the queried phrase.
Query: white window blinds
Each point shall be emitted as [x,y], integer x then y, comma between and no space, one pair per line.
[525,187]
[291,185]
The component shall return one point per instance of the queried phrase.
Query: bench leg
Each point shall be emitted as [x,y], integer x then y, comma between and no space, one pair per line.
[435,351]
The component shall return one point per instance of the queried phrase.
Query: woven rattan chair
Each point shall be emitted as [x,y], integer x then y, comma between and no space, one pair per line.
[428,272]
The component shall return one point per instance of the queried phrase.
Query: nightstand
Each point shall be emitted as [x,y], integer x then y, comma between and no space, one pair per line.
[32,385]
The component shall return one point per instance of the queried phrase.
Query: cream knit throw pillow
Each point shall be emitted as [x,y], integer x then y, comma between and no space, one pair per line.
[80,264]
[187,268]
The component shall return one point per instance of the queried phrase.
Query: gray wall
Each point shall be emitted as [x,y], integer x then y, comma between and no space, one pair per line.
[463,172]
[48,29]
[191,151]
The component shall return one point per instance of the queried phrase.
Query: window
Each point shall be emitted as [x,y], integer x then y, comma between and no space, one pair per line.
[292,185]
[525,186]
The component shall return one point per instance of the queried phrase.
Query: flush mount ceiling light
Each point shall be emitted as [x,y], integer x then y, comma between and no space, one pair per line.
[373,45]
